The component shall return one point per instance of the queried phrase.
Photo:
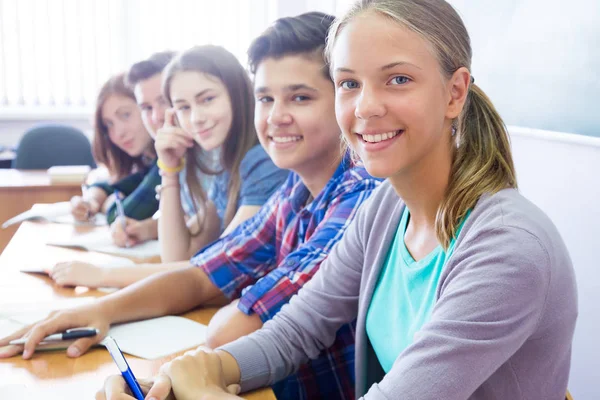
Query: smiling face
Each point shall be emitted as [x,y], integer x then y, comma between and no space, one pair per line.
[295,115]
[121,116]
[203,107]
[391,98]
[151,102]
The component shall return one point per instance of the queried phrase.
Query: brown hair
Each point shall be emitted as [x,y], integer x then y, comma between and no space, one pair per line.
[146,69]
[119,163]
[482,161]
[221,64]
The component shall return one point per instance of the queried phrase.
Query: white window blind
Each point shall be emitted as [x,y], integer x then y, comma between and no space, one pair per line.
[55,54]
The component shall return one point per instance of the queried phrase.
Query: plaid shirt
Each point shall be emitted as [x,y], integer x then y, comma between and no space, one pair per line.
[140,194]
[267,259]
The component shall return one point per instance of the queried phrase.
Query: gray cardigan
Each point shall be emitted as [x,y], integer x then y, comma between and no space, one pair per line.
[501,327]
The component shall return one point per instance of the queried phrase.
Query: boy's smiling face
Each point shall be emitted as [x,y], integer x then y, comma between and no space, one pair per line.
[295,114]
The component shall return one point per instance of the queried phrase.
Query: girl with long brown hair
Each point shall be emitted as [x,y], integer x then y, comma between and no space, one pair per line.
[209,131]
[122,144]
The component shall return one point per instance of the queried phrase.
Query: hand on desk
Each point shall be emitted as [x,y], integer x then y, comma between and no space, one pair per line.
[135,231]
[82,209]
[77,273]
[58,321]
[198,372]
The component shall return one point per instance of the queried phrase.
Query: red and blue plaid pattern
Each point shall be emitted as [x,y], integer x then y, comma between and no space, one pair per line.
[267,259]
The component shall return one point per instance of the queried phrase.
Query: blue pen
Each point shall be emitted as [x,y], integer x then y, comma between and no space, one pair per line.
[121,212]
[117,356]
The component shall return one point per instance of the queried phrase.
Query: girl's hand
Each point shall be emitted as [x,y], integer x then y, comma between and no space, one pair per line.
[82,209]
[171,141]
[135,231]
[119,234]
[77,273]
[197,374]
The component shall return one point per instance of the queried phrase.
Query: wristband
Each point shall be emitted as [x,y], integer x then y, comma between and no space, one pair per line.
[171,170]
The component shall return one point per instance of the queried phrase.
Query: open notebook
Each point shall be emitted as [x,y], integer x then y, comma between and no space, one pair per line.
[55,212]
[101,241]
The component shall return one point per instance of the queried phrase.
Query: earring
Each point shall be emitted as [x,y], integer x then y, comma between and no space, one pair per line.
[453,130]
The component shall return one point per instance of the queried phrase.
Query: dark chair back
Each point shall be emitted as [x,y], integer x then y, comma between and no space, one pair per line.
[45,146]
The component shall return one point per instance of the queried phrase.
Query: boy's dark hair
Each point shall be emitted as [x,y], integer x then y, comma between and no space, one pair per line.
[302,34]
[145,69]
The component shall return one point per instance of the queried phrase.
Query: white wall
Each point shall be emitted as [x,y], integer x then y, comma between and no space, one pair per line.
[538,60]
[561,174]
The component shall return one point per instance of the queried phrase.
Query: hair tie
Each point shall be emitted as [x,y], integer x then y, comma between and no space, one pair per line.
[472,79]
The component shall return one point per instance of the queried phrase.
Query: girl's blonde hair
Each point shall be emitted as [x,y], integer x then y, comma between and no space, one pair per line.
[482,161]
[217,62]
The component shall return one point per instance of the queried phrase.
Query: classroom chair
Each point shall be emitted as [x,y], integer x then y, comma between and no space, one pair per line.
[45,146]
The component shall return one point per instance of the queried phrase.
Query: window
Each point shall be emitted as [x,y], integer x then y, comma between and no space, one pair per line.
[55,54]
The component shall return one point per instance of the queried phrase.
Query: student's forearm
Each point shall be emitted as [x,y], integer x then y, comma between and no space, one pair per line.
[173,232]
[122,277]
[172,292]
[229,324]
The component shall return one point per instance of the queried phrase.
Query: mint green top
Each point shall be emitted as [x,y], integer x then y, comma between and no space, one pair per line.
[404,296]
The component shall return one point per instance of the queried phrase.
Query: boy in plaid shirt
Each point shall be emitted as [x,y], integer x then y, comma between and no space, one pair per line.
[265,261]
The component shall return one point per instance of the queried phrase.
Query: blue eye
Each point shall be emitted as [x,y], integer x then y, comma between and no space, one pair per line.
[399,80]
[208,99]
[348,85]
[183,108]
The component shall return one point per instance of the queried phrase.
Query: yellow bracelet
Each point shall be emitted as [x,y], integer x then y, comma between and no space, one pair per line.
[171,170]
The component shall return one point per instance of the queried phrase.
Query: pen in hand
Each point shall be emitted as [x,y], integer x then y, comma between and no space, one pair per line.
[69,334]
[119,359]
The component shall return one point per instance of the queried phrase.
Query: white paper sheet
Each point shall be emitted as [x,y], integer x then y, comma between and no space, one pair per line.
[8,327]
[101,241]
[18,309]
[55,212]
[115,262]
[158,337]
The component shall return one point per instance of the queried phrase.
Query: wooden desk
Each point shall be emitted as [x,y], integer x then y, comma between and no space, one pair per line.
[52,375]
[19,190]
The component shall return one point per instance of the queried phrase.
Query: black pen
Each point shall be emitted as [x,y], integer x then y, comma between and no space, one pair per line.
[69,334]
